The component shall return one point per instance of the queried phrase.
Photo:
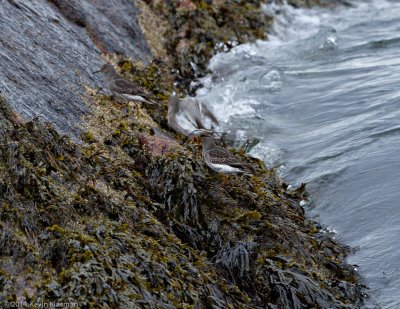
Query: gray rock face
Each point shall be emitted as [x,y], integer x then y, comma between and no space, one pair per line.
[49,49]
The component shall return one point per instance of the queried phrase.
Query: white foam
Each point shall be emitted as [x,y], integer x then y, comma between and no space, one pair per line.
[270,153]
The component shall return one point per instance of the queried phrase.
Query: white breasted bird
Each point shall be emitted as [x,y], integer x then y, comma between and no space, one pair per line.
[222,160]
[121,86]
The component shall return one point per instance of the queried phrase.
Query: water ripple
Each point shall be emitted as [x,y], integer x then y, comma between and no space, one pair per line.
[325,106]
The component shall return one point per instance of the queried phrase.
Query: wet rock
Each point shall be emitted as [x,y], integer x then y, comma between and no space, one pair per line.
[7,116]
[113,27]
[71,10]
[159,228]
[123,218]
[49,50]
[193,31]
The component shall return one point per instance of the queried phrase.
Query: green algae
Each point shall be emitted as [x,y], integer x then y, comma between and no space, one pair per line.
[196,31]
[88,244]
[105,222]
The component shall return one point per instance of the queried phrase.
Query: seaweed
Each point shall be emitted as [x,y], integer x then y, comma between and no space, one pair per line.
[121,218]
[174,178]
[196,30]
[235,259]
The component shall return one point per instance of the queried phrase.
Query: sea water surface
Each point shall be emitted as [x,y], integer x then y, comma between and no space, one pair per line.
[323,97]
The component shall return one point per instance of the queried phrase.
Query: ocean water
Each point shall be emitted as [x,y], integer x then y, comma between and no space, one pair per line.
[323,97]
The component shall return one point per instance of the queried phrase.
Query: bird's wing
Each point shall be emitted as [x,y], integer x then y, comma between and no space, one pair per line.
[182,124]
[220,155]
[199,123]
[194,109]
[188,105]
[123,83]
[204,109]
[129,87]
[200,111]
[189,112]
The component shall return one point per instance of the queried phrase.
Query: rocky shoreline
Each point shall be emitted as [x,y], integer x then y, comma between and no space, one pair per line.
[115,216]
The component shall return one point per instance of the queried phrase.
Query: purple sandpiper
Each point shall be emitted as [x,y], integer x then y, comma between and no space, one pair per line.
[121,86]
[222,160]
[189,116]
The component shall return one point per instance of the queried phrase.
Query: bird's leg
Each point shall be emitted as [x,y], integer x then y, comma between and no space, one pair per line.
[100,89]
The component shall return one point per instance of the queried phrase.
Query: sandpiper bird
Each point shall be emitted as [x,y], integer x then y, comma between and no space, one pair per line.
[222,160]
[121,86]
[189,116]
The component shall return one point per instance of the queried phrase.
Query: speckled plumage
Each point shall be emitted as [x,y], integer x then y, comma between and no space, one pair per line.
[189,116]
[222,160]
[118,85]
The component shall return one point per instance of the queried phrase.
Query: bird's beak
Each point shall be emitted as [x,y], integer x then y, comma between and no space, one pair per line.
[96,71]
